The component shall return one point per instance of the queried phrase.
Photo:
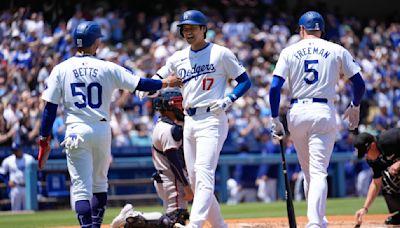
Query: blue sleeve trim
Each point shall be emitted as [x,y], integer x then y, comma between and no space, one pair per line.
[275,94]
[358,88]
[48,117]
[148,84]
[241,88]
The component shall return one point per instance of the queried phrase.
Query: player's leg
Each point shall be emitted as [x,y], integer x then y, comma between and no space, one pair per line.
[393,204]
[173,198]
[210,135]
[321,142]
[189,149]
[321,147]
[80,171]
[79,162]
[101,163]
[16,198]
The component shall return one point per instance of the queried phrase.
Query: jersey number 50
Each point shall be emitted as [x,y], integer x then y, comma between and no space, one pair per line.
[308,69]
[87,97]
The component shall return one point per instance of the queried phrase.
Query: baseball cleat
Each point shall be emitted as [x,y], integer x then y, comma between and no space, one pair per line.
[135,219]
[120,219]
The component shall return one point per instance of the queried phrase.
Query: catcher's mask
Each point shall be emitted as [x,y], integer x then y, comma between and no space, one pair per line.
[170,100]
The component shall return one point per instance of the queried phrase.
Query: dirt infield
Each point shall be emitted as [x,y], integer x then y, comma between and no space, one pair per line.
[334,222]
[375,221]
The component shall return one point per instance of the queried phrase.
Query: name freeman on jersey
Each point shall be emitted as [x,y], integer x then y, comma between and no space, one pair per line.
[311,51]
[195,71]
[85,71]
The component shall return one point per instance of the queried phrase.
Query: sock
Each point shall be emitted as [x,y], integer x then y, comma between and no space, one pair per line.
[99,201]
[83,213]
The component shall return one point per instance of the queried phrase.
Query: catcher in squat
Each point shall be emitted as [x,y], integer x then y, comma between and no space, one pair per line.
[170,179]
[383,156]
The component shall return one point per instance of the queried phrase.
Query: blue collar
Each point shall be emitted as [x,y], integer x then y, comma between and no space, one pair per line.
[208,44]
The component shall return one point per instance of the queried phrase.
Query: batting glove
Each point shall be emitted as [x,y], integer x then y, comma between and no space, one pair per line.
[277,127]
[44,151]
[352,113]
[218,106]
[72,141]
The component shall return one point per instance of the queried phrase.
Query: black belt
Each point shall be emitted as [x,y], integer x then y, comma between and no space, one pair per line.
[192,111]
[317,100]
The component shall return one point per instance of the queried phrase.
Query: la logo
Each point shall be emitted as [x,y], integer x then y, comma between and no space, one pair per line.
[185,17]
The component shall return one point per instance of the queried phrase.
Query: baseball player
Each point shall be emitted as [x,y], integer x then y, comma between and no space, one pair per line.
[14,165]
[312,67]
[383,156]
[85,84]
[204,69]
[170,179]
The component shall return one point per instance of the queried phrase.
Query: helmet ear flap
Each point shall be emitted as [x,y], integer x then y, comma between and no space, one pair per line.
[181,30]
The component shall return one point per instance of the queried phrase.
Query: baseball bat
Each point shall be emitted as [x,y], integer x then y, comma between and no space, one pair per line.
[289,199]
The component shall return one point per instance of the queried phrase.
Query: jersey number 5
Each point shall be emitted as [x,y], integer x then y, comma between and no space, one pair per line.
[307,68]
[87,99]
[207,83]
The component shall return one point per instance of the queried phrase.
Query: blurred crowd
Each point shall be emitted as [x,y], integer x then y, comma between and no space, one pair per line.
[30,47]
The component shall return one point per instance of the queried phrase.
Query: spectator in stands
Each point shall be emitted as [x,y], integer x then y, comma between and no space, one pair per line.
[7,131]
[14,166]
[267,178]
[241,186]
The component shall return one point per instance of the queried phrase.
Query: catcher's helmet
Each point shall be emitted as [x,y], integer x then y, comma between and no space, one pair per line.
[192,17]
[86,34]
[169,100]
[312,20]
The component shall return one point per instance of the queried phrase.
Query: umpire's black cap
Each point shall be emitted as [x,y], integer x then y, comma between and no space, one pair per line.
[362,142]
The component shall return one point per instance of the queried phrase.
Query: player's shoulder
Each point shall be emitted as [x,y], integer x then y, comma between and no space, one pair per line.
[217,47]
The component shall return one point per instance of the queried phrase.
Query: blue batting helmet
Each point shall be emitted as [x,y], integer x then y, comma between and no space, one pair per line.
[193,17]
[86,34]
[312,20]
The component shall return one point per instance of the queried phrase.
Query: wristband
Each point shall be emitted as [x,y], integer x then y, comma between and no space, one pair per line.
[366,209]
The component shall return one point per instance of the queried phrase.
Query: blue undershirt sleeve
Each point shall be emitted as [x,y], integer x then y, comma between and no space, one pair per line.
[358,88]
[241,88]
[275,94]
[148,84]
[48,117]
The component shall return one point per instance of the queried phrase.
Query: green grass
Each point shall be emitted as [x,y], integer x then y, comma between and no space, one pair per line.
[343,206]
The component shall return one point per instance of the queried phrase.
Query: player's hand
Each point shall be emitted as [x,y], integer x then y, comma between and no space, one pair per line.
[11,184]
[44,151]
[143,94]
[394,168]
[359,215]
[352,113]
[172,81]
[72,141]
[218,106]
[188,193]
[277,128]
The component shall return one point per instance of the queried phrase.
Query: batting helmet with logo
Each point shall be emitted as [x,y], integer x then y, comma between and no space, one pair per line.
[169,100]
[312,20]
[86,34]
[192,17]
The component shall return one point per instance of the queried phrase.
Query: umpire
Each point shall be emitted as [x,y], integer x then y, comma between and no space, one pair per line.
[383,156]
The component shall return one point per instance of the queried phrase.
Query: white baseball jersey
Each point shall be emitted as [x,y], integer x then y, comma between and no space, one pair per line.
[204,73]
[85,84]
[312,66]
[16,167]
